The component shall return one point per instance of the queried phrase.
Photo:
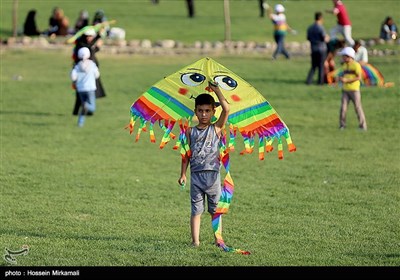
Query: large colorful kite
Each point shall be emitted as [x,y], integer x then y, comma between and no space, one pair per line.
[171,101]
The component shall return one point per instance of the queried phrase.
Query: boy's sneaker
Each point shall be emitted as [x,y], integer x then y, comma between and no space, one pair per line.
[81,120]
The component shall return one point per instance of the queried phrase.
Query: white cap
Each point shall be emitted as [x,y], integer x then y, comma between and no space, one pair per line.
[349,51]
[83,53]
[279,8]
[90,32]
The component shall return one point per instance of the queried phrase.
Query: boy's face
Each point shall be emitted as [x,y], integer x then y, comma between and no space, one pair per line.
[346,58]
[204,113]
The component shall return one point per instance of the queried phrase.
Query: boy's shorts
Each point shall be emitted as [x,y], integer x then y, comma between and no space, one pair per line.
[202,184]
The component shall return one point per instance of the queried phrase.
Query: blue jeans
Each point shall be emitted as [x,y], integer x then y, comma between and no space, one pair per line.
[280,48]
[88,101]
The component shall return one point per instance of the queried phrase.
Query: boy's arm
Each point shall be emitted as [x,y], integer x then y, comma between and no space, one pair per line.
[269,11]
[184,164]
[223,118]
[358,76]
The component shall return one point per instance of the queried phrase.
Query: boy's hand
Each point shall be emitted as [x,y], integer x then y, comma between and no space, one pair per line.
[182,182]
[212,83]
[212,86]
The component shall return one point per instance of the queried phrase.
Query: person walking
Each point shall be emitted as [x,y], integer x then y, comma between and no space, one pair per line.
[351,84]
[190,8]
[261,7]
[318,39]
[91,40]
[343,22]
[205,163]
[281,28]
[83,76]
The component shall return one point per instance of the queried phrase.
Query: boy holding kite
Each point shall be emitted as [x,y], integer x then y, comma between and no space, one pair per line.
[205,164]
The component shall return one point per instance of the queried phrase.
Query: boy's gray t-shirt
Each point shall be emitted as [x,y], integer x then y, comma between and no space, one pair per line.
[204,145]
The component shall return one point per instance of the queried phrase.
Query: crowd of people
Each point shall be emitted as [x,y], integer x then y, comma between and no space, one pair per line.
[324,46]
[59,24]
[85,73]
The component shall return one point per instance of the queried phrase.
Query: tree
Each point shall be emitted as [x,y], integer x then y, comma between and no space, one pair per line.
[14,18]
[227,21]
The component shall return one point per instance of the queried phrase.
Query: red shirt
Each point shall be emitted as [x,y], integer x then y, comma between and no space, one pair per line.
[341,13]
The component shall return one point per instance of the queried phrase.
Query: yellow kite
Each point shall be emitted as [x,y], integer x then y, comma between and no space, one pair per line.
[172,99]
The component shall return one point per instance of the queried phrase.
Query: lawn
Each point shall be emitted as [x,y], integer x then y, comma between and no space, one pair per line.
[169,19]
[95,197]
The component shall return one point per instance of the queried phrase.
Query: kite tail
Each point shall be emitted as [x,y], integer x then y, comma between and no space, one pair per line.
[141,128]
[265,145]
[216,223]
[182,140]
[168,135]
[232,136]
[291,146]
[261,148]
[224,201]
[152,137]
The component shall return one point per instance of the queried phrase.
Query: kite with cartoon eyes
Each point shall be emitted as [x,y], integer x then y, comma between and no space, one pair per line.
[172,100]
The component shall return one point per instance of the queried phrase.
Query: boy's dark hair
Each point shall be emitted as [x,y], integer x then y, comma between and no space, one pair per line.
[357,43]
[204,99]
[317,15]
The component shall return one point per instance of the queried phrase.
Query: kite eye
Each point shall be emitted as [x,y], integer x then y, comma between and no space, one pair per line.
[192,79]
[226,82]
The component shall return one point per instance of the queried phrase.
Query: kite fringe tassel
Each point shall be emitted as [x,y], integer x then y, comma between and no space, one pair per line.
[265,140]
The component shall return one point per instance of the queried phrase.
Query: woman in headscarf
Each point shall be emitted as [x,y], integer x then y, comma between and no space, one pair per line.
[30,28]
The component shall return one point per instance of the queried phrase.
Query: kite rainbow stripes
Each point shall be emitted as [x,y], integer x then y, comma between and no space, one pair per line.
[371,76]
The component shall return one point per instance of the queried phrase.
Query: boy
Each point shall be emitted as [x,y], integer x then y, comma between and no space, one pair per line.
[352,75]
[84,75]
[205,164]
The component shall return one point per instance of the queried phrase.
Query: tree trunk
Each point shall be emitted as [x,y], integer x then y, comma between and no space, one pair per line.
[14,18]
[227,21]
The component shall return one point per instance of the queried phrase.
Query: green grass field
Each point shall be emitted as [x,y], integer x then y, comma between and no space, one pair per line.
[168,20]
[94,197]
